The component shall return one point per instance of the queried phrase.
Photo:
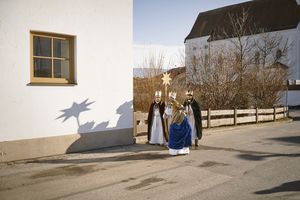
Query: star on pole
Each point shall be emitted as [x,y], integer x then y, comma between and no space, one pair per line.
[166,79]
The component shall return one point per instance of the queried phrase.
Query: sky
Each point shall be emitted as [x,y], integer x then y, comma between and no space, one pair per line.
[162,25]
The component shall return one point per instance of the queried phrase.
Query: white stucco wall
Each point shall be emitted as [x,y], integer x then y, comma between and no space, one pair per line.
[103,30]
[196,46]
[292,98]
[297,52]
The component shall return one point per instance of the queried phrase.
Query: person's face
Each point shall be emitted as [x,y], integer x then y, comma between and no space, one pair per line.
[189,97]
[157,99]
[171,100]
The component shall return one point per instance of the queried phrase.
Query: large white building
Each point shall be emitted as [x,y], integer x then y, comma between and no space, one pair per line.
[276,17]
[66,76]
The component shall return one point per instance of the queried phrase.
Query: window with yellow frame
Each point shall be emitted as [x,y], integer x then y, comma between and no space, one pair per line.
[52,58]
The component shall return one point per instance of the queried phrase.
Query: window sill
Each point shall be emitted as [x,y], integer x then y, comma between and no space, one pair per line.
[52,84]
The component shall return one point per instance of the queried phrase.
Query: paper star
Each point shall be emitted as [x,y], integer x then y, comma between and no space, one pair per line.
[166,78]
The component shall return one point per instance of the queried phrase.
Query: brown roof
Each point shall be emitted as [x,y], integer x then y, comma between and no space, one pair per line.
[270,15]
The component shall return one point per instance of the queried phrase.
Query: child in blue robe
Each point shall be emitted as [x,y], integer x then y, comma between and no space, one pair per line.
[179,130]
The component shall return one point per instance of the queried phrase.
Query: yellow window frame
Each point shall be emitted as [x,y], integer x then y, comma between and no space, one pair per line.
[52,80]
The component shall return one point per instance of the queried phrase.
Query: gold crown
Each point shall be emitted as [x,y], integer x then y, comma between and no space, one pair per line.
[158,93]
[172,95]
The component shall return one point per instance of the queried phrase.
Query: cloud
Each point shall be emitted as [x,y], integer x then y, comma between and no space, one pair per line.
[172,54]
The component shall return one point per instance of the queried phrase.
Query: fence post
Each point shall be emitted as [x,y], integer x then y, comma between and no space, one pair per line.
[274,114]
[208,118]
[284,112]
[134,124]
[256,114]
[235,116]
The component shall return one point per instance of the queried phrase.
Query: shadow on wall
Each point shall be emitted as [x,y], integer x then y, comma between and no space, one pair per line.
[89,130]
[125,111]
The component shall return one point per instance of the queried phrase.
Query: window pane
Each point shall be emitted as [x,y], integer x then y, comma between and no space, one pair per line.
[41,46]
[42,67]
[61,48]
[61,69]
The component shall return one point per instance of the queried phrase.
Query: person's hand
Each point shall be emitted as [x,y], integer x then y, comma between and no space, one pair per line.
[168,111]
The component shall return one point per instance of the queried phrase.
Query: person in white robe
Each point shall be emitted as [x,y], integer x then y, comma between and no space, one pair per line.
[156,127]
[193,112]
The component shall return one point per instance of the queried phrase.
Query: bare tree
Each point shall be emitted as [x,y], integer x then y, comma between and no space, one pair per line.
[152,64]
[144,88]
[245,73]
[268,76]
[265,86]
[270,48]
[240,26]
[213,81]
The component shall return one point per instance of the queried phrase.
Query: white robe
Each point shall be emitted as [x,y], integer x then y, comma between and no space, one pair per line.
[191,118]
[168,115]
[157,134]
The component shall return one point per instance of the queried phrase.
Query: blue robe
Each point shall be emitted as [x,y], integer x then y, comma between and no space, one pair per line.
[180,135]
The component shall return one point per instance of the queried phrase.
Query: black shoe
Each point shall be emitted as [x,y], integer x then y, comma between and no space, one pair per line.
[196,142]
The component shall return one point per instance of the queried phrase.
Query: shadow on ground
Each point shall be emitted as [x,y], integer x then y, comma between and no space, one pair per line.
[285,187]
[250,155]
[253,157]
[288,140]
[99,156]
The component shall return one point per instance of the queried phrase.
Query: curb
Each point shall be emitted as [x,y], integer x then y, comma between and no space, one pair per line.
[140,139]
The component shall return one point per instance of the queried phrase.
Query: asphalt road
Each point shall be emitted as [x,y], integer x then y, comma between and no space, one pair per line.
[245,162]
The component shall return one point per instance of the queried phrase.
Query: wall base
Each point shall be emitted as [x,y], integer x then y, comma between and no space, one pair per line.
[40,147]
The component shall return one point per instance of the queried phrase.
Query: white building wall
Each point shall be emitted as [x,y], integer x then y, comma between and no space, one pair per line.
[297,52]
[103,52]
[196,47]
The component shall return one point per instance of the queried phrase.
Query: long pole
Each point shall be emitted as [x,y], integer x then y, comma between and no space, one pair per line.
[166,103]
[166,93]
[286,97]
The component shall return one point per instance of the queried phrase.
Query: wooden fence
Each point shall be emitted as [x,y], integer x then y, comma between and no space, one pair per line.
[214,118]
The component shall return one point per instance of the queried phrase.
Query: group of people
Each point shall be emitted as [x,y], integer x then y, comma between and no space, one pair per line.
[174,124]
